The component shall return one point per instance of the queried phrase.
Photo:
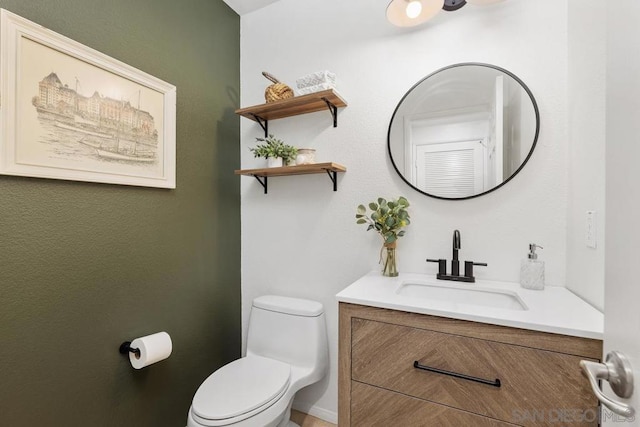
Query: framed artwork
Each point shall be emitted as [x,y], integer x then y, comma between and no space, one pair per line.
[70,112]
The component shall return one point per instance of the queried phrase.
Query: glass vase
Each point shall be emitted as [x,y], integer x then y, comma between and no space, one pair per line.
[390,269]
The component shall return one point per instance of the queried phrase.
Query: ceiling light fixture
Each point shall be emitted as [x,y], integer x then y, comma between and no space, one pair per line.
[409,13]
[414,8]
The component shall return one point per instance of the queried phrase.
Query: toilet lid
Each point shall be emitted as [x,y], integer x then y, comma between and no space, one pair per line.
[241,386]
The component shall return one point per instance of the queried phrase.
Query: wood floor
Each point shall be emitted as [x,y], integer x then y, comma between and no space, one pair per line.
[306,420]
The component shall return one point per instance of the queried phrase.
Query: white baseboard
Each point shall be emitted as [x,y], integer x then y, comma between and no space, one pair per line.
[316,411]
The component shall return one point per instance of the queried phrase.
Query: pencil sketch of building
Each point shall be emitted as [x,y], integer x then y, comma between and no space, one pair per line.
[115,129]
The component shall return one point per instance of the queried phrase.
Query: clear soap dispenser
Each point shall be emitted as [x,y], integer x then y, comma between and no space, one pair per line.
[532,270]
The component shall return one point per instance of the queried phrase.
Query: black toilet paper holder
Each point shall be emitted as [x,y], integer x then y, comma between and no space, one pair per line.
[125,348]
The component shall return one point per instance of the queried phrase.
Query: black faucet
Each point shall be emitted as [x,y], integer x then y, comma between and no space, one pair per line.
[455,264]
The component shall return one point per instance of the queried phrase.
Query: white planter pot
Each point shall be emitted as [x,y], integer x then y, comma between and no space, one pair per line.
[273,162]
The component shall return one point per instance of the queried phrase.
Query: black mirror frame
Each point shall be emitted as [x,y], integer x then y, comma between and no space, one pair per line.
[480,64]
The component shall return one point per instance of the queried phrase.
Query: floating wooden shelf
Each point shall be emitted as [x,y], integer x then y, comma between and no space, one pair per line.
[297,105]
[262,174]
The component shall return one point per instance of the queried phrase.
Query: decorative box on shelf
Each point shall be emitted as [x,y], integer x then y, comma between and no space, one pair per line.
[317,78]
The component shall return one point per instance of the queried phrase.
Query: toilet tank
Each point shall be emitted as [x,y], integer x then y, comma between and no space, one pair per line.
[291,330]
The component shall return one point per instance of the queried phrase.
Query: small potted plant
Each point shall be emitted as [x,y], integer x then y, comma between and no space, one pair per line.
[275,151]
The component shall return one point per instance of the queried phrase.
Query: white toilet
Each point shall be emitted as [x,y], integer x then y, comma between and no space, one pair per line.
[286,351]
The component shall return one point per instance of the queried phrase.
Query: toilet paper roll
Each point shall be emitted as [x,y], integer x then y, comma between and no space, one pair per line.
[153,348]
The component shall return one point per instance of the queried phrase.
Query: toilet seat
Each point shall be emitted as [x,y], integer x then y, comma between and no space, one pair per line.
[239,390]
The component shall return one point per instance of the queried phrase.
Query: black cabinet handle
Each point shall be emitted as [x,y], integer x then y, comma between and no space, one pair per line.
[495,383]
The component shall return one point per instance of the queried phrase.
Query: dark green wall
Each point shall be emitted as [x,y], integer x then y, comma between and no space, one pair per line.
[84,267]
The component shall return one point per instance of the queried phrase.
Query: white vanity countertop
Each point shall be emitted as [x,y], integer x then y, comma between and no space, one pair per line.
[554,309]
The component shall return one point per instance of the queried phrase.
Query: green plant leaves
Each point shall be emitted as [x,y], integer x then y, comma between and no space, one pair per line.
[274,148]
[387,217]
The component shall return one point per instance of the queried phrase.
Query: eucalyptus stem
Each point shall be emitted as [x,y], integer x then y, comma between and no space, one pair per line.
[390,267]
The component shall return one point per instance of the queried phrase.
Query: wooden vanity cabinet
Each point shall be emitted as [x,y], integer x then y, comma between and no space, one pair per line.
[485,375]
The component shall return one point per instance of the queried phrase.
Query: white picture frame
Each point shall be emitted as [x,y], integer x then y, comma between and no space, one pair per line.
[70,112]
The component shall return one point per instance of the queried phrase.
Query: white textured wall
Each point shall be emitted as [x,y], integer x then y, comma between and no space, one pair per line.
[586,86]
[302,240]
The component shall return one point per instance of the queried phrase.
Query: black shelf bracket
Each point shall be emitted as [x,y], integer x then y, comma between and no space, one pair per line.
[333,110]
[264,124]
[333,175]
[262,182]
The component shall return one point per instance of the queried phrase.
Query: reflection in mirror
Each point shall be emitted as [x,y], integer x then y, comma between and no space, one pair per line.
[463,131]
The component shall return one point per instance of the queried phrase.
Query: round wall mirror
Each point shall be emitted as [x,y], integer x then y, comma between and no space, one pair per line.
[463,131]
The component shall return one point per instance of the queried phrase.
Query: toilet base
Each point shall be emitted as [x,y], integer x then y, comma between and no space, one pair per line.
[286,419]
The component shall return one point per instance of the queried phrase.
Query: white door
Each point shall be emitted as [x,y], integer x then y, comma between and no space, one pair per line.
[498,130]
[622,223]
[450,169]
